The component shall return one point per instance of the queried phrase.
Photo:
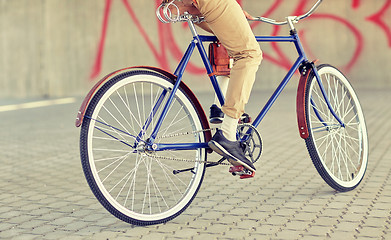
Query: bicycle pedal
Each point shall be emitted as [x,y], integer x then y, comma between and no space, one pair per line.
[241,171]
[245,118]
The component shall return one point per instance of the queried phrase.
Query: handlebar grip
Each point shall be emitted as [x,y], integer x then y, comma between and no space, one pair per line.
[164,12]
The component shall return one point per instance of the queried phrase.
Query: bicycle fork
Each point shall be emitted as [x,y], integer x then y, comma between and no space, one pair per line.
[306,69]
[319,80]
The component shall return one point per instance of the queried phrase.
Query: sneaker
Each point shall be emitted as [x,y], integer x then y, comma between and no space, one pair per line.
[230,150]
[216,115]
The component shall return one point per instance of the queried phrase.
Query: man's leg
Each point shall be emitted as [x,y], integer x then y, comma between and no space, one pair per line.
[216,115]
[227,21]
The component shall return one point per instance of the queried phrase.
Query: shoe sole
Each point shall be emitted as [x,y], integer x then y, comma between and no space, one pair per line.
[216,120]
[232,159]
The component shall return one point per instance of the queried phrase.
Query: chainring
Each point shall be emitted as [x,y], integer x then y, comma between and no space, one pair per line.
[252,142]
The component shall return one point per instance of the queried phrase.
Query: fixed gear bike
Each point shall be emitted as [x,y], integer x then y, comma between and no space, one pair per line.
[144,135]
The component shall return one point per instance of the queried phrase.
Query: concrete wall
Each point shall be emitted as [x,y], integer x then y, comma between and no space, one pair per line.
[59,48]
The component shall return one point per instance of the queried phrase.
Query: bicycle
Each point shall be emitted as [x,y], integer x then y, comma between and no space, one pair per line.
[144,135]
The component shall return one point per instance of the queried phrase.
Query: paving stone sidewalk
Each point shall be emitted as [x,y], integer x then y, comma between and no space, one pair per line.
[44,194]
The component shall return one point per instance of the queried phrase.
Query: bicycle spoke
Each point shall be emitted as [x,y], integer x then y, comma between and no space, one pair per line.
[127,177]
[143,100]
[119,111]
[120,160]
[137,105]
[106,131]
[127,106]
[170,181]
[147,193]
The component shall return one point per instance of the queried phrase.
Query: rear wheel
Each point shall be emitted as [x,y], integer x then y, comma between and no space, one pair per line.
[339,153]
[135,185]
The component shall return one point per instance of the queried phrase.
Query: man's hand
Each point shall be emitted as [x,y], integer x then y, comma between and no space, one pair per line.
[186,6]
[248,16]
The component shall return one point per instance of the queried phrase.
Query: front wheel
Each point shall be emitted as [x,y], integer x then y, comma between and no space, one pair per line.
[136,185]
[338,151]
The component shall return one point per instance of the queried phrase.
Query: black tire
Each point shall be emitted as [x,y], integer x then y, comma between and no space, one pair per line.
[136,186]
[339,153]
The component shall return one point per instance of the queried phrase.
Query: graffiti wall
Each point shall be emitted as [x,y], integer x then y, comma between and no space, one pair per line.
[63,47]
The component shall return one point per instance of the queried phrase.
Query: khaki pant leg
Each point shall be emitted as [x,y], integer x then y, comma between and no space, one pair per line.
[228,23]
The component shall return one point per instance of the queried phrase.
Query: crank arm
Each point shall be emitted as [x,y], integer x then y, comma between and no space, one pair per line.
[211,164]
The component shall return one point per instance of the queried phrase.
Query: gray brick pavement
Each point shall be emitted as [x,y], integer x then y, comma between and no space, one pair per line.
[45,196]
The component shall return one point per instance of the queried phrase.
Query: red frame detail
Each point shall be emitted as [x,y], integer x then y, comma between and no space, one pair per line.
[300,105]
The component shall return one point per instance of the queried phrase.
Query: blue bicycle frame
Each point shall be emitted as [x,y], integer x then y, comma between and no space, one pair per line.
[198,41]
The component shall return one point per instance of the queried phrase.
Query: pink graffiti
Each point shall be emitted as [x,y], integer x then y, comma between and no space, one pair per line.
[96,69]
[341,21]
[160,53]
[378,19]
[168,45]
[355,3]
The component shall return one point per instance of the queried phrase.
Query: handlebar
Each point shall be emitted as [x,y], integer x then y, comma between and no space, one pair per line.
[169,13]
[294,19]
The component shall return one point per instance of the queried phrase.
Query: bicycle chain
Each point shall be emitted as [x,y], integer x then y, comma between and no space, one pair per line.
[186,133]
[183,159]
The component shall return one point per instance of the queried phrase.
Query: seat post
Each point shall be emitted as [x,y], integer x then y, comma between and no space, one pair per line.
[191,24]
